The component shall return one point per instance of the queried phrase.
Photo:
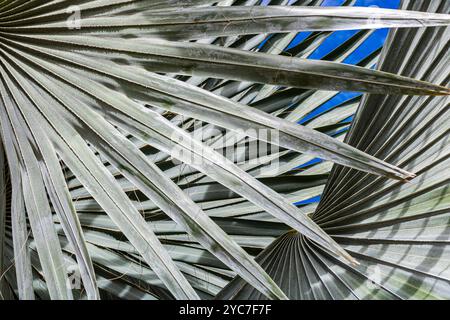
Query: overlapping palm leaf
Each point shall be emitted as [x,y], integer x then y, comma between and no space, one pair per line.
[93,187]
[398,232]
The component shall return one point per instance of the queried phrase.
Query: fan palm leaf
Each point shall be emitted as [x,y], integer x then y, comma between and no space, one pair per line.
[399,233]
[89,147]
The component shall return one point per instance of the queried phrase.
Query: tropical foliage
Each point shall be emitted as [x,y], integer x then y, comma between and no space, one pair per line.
[115,121]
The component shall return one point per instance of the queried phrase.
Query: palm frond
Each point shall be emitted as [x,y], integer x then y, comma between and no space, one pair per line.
[399,233]
[97,95]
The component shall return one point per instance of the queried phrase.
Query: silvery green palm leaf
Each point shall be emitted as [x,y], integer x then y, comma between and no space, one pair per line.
[399,233]
[97,95]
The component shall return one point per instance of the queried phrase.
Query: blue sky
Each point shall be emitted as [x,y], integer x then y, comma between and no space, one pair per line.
[362,3]
[375,41]
[365,3]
